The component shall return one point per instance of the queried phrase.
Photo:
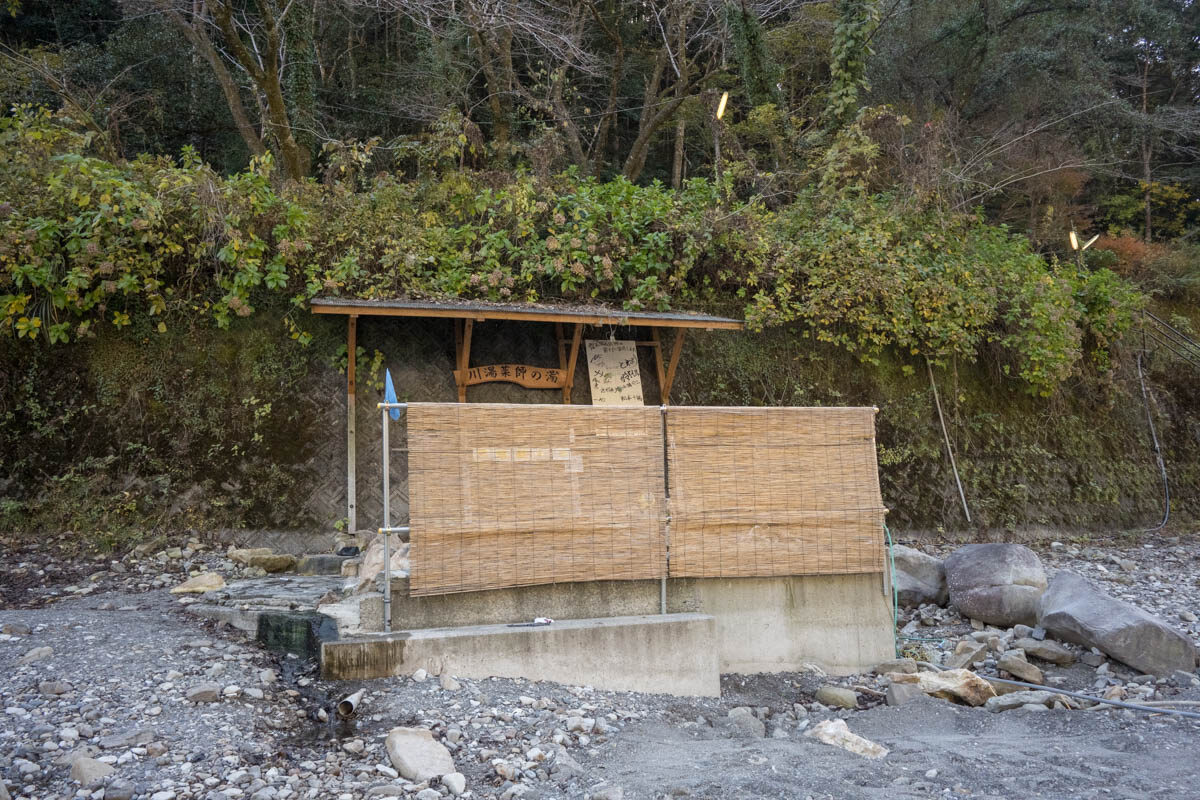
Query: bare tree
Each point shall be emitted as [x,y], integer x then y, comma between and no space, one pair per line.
[229,34]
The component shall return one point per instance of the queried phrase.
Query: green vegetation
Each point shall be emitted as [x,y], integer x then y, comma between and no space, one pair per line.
[892,187]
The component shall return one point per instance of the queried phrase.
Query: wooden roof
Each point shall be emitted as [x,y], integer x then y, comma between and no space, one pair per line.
[480,311]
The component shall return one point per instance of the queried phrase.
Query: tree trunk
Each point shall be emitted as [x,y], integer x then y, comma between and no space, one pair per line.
[198,36]
[1147,150]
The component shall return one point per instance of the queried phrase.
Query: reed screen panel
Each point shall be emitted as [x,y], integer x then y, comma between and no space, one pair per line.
[515,495]
[773,491]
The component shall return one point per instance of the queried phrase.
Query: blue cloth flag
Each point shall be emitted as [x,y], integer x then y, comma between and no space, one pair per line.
[389,394]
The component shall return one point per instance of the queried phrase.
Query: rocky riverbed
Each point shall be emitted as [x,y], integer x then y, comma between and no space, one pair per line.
[111,691]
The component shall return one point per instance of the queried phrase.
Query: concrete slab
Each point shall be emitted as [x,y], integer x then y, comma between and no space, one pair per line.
[662,653]
[841,623]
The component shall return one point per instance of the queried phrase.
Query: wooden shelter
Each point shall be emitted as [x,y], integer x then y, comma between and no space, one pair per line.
[466,313]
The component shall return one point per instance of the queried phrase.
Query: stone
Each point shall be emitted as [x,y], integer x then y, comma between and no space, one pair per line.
[900,693]
[996,583]
[54,687]
[243,555]
[744,720]
[456,782]
[420,675]
[86,771]
[15,629]
[36,654]
[1092,659]
[1046,650]
[429,794]
[1015,664]
[1020,699]
[274,563]
[1186,616]
[204,582]
[836,733]
[920,578]
[1074,611]
[837,696]
[449,683]
[134,737]
[118,790]
[416,756]
[606,791]
[905,665]
[966,654]
[320,564]
[957,685]
[205,693]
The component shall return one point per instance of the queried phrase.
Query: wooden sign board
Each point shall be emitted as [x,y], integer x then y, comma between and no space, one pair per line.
[616,377]
[522,374]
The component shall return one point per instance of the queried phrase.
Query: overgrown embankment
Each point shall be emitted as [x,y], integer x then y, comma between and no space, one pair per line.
[159,369]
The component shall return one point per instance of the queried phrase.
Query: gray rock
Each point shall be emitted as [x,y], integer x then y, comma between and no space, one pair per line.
[900,693]
[837,696]
[920,578]
[1012,700]
[1075,611]
[744,720]
[429,794]
[205,693]
[36,654]
[127,739]
[455,782]
[996,583]
[905,665]
[15,629]
[416,756]
[966,654]
[86,771]
[54,687]
[606,791]
[1046,650]
[1015,664]
[120,790]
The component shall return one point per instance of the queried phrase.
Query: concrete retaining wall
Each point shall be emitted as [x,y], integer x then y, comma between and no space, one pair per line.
[669,653]
[841,623]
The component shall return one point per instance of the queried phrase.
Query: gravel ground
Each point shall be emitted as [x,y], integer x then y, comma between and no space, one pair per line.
[124,657]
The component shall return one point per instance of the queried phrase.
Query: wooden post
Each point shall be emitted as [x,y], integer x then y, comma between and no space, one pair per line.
[676,348]
[462,340]
[570,367]
[658,365]
[351,407]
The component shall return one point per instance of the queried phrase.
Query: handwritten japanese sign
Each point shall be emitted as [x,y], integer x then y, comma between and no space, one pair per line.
[527,376]
[616,377]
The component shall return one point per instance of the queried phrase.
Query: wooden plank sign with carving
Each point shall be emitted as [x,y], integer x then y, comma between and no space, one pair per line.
[522,374]
[615,374]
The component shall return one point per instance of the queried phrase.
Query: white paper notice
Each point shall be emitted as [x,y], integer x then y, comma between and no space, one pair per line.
[616,377]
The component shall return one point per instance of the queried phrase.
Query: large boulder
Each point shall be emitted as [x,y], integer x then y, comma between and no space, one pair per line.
[920,578]
[1075,611]
[416,755]
[996,583]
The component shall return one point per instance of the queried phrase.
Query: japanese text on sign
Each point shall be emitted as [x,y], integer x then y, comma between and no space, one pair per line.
[615,375]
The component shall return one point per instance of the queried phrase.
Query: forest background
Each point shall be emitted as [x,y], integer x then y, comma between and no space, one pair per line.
[889,200]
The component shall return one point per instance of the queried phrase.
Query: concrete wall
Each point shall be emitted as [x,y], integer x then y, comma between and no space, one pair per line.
[842,623]
[669,654]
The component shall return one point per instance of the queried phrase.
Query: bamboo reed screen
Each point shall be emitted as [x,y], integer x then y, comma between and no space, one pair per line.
[513,495]
[773,491]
